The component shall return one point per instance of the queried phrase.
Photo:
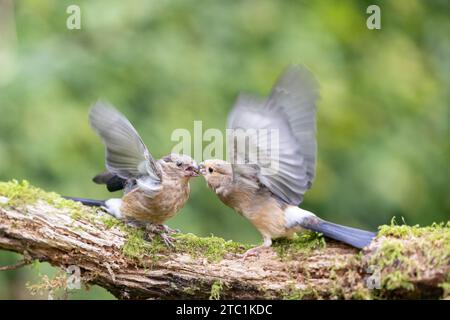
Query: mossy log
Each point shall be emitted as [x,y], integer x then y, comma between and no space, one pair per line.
[402,262]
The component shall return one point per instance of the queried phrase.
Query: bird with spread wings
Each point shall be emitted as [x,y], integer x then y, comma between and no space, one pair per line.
[154,190]
[266,178]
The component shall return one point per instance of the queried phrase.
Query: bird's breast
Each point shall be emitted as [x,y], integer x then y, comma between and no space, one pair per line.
[160,206]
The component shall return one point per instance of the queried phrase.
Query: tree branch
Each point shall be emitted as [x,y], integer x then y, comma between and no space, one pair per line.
[403,262]
[17,265]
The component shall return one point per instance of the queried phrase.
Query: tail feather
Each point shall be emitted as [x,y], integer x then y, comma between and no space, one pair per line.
[87,202]
[355,237]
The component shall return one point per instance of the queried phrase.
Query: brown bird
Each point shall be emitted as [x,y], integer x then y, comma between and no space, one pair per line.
[154,190]
[265,182]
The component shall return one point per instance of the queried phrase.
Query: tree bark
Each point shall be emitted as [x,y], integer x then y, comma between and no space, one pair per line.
[54,234]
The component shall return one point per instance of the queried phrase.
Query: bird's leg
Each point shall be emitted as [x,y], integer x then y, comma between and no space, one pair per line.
[154,229]
[169,230]
[256,250]
[161,230]
[135,223]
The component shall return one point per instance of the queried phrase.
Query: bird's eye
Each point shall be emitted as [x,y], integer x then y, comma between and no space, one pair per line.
[179,163]
[210,170]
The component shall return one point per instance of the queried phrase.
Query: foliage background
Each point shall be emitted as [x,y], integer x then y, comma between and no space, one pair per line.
[383,120]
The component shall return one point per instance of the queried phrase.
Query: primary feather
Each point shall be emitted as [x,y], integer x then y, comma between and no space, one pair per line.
[291,111]
[126,154]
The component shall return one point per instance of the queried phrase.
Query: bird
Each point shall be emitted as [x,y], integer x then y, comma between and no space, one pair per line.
[272,162]
[154,190]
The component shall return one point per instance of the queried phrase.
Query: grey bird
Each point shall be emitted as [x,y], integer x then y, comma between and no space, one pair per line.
[267,195]
[154,190]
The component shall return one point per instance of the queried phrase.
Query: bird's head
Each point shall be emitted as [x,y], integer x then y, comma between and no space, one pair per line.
[217,173]
[180,165]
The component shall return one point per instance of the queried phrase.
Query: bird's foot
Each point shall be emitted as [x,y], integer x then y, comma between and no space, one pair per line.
[161,230]
[253,252]
[257,250]
[169,230]
[168,240]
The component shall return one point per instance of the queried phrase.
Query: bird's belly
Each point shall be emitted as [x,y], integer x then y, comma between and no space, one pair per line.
[156,209]
[269,224]
[265,213]
[266,216]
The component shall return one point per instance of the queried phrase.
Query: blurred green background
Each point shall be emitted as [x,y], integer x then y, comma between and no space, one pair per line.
[383,120]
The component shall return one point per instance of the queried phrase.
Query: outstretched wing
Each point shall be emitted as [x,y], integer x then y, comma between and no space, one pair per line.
[282,136]
[126,154]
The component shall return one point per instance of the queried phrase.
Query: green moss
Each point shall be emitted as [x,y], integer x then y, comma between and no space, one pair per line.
[22,193]
[391,252]
[398,257]
[137,247]
[404,231]
[393,265]
[216,290]
[110,222]
[397,280]
[346,280]
[361,294]
[445,285]
[446,289]
[76,215]
[401,256]
[212,248]
[300,243]
[293,293]
[192,290]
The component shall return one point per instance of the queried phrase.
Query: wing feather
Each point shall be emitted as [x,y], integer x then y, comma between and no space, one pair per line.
[290,110]
[126,154]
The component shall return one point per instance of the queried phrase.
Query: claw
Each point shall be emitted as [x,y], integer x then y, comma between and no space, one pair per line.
[168,240]
[163,231]
[168,229]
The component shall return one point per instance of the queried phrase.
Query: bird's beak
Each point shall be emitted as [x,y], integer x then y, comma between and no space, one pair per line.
[202,168]
[193,169]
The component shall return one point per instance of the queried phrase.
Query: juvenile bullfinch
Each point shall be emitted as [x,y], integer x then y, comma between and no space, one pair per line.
[154,190]
[267,194]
